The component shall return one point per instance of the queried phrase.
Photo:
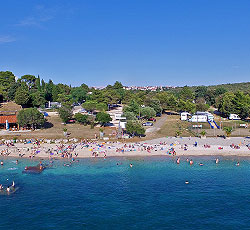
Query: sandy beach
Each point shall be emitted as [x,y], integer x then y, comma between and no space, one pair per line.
[170,146]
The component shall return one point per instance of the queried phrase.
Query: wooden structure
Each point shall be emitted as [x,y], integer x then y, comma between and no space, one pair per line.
[8,114]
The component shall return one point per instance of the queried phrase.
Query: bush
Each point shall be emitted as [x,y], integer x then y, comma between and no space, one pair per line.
[228,130]
[203,133]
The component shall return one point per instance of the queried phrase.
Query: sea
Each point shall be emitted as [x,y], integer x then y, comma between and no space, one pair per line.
[156,193]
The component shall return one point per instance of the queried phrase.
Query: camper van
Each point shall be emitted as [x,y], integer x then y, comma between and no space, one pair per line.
[184,116]
[198,118]
[210,117]
[234,117]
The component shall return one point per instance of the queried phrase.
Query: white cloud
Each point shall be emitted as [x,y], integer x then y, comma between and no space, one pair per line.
[39,16]
[6,39]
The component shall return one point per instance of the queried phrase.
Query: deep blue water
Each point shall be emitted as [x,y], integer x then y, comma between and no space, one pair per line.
[99,194]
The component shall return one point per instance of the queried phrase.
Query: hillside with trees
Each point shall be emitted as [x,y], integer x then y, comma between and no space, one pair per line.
[30,91]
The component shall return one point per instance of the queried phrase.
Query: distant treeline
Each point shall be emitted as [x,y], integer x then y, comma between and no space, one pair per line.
[31,91]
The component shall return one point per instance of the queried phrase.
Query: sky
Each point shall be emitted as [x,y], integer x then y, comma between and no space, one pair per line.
[137,42]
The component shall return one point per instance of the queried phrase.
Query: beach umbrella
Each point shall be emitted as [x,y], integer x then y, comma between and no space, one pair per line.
[7,125]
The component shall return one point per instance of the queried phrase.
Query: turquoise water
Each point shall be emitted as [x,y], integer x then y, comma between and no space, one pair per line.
[99,194]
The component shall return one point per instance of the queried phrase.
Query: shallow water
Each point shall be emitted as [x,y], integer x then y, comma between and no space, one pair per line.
[99,194]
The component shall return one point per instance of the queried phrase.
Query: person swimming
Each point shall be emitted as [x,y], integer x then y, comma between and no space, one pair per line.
[201,164]
[238,163]
[13,184]
[131,165]
[1,187]
[191,162]
[216,161]
[40,165]
[8,189]
[178,160]
[1,162]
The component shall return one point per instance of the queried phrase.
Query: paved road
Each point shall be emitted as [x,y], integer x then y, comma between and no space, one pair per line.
[158,124]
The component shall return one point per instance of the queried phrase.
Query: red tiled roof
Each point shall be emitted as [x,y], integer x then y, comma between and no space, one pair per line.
[10,118]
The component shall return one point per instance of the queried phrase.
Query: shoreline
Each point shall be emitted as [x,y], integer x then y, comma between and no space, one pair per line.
[169,146]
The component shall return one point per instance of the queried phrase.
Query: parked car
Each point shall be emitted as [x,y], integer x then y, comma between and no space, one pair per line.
[152,119]
[148,124]
[158,114]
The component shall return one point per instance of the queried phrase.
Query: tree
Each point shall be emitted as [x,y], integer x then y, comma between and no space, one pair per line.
[89,105]
[78,94]
[186,106]
[220,91]
[201,104]
[132,107]
[7,78]
[65,113]
[201,92]
[148,112]
[118,85]
[228,130]
[85,87]
[154,103]
[12,90]
[135,128]
[48,90]
[167,100]
[129,116]
[101,107]
[30,117]
[103,118]
[38,99]
[64,99]
[29,80]
[186,94]
[81,118]
[22,96]
[38,83]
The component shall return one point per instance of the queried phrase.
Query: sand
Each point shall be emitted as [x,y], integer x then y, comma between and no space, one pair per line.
[162,146]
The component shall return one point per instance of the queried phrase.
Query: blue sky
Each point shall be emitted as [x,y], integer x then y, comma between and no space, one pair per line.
[137,42]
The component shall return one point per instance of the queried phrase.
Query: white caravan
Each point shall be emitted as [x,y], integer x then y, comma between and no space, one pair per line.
[184,116]
[198,118]
[234,117]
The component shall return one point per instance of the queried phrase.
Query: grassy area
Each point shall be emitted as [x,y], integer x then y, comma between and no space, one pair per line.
[173,124]
[54,130]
